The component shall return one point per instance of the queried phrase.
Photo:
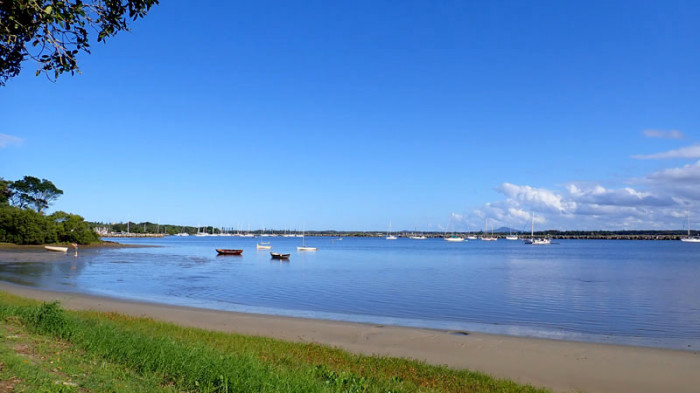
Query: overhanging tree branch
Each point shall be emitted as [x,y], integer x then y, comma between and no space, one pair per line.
[53,32]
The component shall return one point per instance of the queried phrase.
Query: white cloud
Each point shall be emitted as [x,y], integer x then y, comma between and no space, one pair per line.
[627,196]
[671,134]
[682,183]
[536,197]
[518,213]
[684,152]
[688,174]
[9,140]
[652,205]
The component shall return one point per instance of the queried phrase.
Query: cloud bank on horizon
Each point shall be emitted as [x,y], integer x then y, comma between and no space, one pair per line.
[657,200]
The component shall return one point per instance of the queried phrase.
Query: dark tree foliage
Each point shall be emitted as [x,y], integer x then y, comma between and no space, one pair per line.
[34,193]
[22,226]
[72,228]
[53,32]
[5,192]
[25,226]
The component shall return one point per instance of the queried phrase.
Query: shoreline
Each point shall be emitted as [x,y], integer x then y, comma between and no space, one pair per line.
[562,366]
[40,247]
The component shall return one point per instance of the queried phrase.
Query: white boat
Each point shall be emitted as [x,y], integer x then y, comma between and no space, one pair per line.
[510,235]
[201,234]
[390,237]
[303,246]
[487,238]
[472,237]
[453,238]
[536,241]
[417,237]
[690,239]
[263,245]
[56,248]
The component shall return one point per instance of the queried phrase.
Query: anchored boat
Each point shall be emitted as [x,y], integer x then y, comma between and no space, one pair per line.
[225,251]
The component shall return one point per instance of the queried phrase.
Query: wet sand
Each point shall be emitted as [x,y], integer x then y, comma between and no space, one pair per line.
[562,366]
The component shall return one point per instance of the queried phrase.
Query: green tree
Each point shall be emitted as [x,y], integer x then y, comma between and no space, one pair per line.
[5,192]
[21,226]
[34,193]
[72,228]
[53,32]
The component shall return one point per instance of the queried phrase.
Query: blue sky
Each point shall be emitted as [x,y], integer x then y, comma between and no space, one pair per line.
[348,115]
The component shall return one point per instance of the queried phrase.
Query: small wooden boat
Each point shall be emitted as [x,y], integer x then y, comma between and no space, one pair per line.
[56,248]
[276,255]
[224,251]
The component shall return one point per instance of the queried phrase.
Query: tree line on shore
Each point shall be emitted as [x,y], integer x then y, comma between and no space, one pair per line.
[23,220]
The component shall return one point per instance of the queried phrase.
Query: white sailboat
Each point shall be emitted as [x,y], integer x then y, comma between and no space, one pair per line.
[487,238]
[470,235]
[303,246]
[453,238]
[690,239]
[532,240]
[263,245]
[510,234]
[390,237]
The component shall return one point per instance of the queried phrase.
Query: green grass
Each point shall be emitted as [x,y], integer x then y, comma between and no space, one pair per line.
[46,348]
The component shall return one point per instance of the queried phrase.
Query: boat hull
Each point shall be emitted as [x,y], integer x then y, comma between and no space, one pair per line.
[307,248]
[276,255]
[223,251]
[56,249]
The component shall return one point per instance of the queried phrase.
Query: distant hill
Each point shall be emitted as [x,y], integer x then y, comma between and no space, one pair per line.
[506,230]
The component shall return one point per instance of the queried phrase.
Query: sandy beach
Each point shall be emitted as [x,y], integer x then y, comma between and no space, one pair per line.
[559,365]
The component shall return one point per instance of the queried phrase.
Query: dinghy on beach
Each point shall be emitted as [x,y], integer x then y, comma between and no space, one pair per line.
[56,248]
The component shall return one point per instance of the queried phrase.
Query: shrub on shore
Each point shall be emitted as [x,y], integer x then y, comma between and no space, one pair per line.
[26,226]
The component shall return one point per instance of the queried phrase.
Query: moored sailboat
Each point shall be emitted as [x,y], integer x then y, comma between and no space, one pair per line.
[390,236]
[536,241]
[487,238]
[690,239]
[303,246]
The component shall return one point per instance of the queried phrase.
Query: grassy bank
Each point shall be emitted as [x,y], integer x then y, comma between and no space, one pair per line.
[46,348]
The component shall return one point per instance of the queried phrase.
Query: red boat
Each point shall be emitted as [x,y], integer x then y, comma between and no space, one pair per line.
[224,251]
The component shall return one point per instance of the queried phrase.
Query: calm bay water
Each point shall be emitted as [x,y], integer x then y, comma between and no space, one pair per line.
[627,292]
